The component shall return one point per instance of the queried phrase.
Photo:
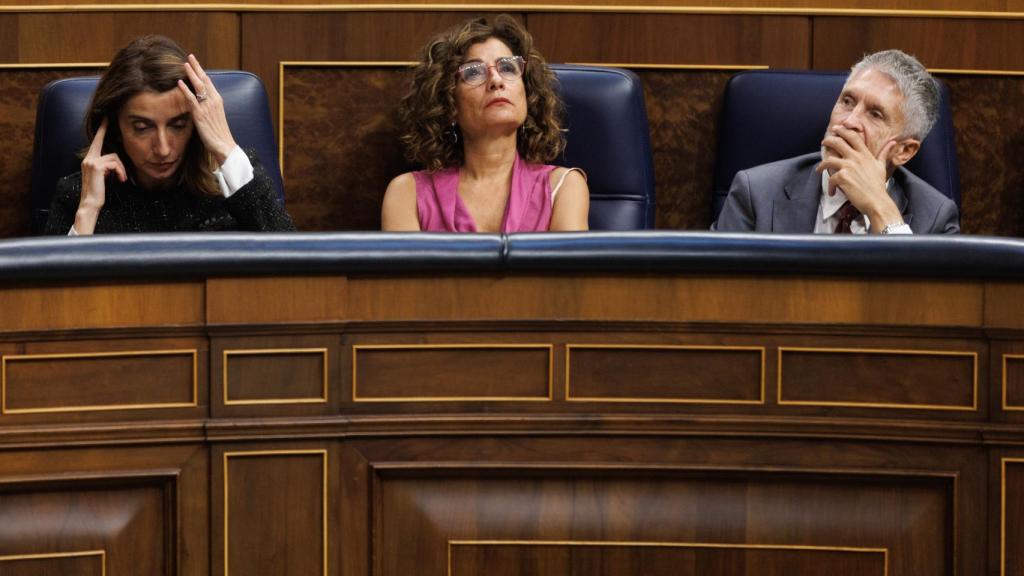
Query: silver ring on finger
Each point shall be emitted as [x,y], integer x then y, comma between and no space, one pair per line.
[200,96]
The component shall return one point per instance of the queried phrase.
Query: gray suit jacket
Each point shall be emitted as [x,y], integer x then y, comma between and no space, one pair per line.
[783,197]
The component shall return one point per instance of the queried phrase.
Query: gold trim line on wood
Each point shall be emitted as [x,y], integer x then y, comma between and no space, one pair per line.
[1002,510]
[566,8]
[1006,404]
[645,544]
[103,407]
[570,398]
[265,453]
[53,65]
[274,351]
[551,369]
[895,352]
[975,72]
[51,555]
[647,66]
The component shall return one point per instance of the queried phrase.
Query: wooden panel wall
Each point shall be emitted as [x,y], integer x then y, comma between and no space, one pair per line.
[339,131]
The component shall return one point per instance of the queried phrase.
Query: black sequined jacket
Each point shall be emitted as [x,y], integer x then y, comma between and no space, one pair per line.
[129,208]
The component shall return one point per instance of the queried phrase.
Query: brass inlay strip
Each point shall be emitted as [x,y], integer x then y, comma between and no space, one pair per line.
[1006,404]
[52,555]
[645,544]
[271,453]
[893,352]
[276,351]
[551,369]
[568,355]
[571,8]
[104,407]
[975,72]
[52,65]
[1002,511]
[646,66]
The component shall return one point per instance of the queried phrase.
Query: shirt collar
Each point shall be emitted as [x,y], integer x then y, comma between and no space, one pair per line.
[831,204]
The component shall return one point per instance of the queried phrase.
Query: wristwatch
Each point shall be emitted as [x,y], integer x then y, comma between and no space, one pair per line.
[892,226]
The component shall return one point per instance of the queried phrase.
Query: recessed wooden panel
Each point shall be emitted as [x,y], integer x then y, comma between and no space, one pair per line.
[1013,382]
[933,380]
[275,376]
[451,372]
[777,41]
[36,383]
[103,524]
[1012,517]
[497,558]
[420,513]
[275,512]
[89,563]
[636,373]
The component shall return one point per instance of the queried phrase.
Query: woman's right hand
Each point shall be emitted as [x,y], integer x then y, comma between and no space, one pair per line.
[95,168]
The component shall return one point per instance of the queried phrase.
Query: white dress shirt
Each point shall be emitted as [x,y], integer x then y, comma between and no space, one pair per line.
[828,206]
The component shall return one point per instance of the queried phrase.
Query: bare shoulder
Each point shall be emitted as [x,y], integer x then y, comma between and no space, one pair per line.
[571,178]
[399,207]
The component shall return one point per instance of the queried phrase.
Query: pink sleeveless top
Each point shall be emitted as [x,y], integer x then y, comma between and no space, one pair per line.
[528,209]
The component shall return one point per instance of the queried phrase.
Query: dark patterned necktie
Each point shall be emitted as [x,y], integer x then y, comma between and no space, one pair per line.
[846,213]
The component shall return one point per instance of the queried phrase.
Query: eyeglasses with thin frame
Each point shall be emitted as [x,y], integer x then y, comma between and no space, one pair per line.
[508,67]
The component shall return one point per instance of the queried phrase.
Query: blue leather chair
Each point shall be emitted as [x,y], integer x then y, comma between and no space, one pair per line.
[60,135]
[772,115]
[609,139]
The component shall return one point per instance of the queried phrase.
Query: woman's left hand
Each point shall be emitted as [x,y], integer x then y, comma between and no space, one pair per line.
[207,108]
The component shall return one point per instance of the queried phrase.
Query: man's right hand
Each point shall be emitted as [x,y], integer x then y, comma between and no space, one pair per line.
[95,168]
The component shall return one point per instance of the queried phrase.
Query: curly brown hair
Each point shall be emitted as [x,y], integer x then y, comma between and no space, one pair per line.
[428,109]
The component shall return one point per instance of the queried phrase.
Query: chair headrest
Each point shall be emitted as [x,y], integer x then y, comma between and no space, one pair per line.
[608,137]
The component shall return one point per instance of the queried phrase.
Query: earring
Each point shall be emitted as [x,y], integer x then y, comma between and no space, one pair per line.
[453,134]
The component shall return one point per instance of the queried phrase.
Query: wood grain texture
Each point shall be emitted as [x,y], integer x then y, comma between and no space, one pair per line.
[1013,377]
[811,6]
[423,372]
[657,559]
[18,102]
[684,299]
[95,36]
[777,41]
[101,305]
[673,374]
[341,143]
[966,43]
[988,115]
[1012,511]
[276,299]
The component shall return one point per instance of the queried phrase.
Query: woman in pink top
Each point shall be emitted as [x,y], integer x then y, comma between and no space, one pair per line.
[482,118]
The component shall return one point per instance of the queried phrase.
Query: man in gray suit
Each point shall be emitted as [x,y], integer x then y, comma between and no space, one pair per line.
[857,183]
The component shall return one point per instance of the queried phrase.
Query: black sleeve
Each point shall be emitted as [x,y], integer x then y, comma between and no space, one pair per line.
[255,205]
[64,205]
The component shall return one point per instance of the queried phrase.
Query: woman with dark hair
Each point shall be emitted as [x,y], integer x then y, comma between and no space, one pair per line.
[482,117]
[161,156]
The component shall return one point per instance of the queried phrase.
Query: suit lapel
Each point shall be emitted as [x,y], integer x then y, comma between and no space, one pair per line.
[795,214]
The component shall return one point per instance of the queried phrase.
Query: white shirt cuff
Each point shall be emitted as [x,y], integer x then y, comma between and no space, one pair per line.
[234,173]
[72,232]
[901,229]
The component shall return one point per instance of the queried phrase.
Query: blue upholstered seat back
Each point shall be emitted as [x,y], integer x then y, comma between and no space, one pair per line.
[773,115]
[60,136]
[609,139]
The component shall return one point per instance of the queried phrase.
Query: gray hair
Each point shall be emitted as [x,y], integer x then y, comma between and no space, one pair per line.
[920,90]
